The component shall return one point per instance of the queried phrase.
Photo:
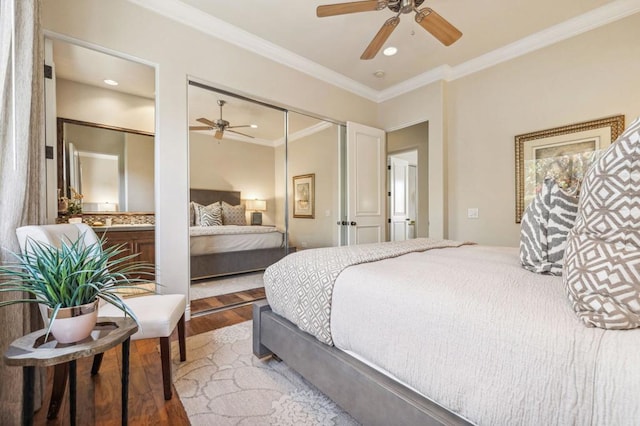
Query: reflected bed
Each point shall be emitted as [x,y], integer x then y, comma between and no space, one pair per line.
[225,250]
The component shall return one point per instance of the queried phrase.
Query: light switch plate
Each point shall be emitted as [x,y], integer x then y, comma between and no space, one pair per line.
[472,213]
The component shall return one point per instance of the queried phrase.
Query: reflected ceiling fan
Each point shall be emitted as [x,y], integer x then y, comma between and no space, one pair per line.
[220,125]
[439,27]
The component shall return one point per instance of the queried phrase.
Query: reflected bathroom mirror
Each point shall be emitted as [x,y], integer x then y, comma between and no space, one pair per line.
[111,167]
[106,116]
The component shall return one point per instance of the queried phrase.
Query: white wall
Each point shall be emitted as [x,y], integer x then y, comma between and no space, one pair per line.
[177,52]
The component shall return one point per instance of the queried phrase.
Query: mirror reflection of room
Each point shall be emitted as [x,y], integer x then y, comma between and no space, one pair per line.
[238,151]
[106,115]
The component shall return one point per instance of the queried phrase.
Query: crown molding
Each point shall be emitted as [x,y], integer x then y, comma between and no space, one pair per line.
[307,131]
[195,18]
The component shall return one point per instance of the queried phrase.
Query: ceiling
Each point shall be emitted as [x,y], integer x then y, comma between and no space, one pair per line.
[288,31]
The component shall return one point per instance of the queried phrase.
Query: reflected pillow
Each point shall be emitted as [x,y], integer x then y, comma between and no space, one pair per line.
[233,215]
[207,215]
[545,225]
[602,272]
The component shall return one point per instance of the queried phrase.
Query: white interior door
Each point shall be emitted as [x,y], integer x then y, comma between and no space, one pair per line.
[399,199]
[365,184]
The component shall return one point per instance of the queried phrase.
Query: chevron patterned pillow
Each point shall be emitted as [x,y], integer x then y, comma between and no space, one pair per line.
[210,215]
[602,264]
[233,215]
[544,228]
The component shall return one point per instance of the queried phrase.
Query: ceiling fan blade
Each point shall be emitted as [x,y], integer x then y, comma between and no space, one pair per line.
[352,7]
[238,133]
[199,127]
[207,122]
[218,134]
[237,127]
[439,27]
[382,36]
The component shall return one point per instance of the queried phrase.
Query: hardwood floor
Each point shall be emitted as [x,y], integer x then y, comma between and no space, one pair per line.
[98,397]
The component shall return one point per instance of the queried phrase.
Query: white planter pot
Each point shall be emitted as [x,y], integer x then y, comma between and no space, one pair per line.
[74,324]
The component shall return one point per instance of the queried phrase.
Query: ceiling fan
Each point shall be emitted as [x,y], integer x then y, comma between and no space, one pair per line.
[428,19]
[220,125]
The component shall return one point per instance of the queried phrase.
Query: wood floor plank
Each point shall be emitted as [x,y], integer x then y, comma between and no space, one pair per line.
[98,397]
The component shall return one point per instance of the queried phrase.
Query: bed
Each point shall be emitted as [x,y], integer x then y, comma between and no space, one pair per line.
[450,334]
[225,250]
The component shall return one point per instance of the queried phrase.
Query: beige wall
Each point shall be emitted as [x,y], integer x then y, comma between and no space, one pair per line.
[590,76]
[232,165]
[318,154]
[473,121]
[415,137]
[176,50]
[425,104]
[82,102]
[139,172]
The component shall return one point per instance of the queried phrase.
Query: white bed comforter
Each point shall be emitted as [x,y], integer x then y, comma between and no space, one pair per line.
[470,329]
[230,238]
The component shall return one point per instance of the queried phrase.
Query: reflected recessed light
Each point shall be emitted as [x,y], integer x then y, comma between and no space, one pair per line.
[111,82]
[379,74]
[254,126]
[390,51]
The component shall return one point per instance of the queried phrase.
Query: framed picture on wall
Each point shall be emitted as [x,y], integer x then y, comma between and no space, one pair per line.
[564,153]
[304,196]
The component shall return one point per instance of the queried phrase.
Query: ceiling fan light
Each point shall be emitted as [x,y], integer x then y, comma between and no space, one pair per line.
[390,51]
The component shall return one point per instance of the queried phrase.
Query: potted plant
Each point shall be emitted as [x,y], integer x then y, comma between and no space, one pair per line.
[70,280]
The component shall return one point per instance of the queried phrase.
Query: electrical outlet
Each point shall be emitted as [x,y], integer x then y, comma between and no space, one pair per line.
[472,213]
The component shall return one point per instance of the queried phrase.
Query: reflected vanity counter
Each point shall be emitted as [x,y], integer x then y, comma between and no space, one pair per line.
[137,238]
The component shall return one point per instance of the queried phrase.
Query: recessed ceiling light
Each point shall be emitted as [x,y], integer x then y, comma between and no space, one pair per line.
[379,74]
[390,51]
[111,82]
[254,126]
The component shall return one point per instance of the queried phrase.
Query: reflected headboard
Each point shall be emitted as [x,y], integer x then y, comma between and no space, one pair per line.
[208,196]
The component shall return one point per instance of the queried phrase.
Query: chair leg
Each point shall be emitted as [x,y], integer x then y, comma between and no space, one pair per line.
[97,362]
[60,374]
[165,356]
[181,339]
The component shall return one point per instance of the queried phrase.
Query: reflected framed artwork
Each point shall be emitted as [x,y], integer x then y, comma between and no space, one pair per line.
[304,196]
[564,153]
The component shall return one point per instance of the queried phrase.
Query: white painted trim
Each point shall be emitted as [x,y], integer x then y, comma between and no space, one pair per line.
[308,131]
[193,17]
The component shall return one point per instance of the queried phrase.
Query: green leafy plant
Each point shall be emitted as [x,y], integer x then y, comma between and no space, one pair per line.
[72,275]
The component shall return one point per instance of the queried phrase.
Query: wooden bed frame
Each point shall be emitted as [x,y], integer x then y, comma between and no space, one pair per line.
[219,264]
[365,393]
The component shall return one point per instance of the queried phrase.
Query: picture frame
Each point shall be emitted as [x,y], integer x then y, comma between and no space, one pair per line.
[564,152]
[304,196]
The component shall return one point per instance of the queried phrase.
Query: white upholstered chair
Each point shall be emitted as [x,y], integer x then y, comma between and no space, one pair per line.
[158,315]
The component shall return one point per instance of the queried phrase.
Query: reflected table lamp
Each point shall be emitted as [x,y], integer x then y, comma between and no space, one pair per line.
[256,207]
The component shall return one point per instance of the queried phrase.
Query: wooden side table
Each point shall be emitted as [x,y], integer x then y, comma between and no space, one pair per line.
[33,351]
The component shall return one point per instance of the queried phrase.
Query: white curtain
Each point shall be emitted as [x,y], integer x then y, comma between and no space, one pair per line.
[22,177]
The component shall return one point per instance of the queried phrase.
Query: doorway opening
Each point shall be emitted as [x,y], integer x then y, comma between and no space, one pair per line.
[403,195]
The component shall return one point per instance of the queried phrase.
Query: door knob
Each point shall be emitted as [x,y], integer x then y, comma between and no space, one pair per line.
[353,224]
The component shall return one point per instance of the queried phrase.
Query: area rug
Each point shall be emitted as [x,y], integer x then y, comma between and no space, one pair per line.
[226,285]
[222,383]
